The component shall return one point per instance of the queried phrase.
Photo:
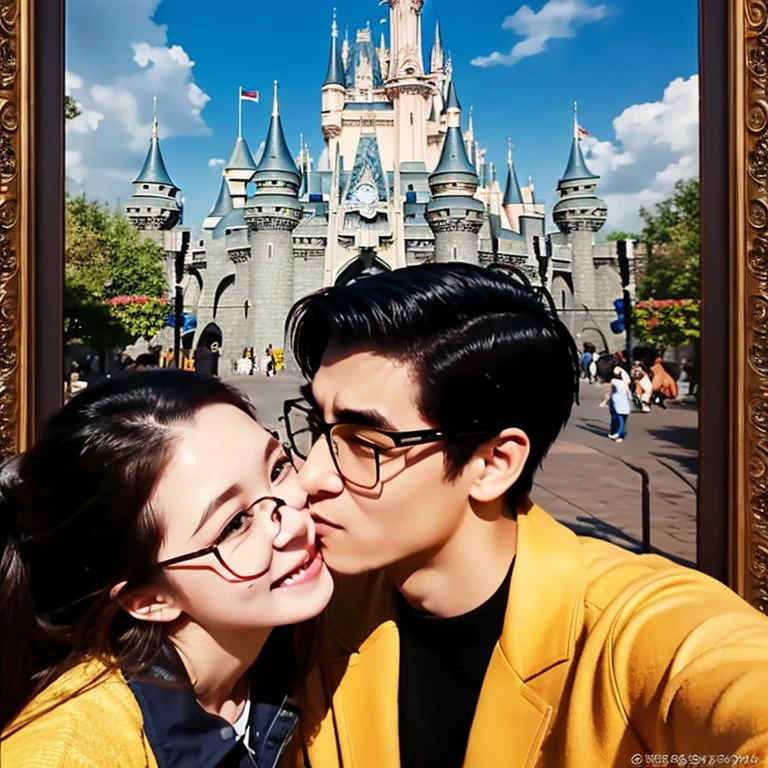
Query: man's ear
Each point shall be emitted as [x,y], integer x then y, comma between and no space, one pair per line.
[504,459]
[146,603]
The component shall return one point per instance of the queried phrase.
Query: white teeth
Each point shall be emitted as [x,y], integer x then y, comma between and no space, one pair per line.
[290,579]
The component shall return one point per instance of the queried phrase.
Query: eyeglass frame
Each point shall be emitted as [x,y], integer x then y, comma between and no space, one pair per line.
[406,439]
[213,549]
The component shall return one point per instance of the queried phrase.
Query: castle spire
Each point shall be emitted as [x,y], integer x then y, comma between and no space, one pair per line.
[335,73]
[576,120]
[577,167]
[512,193]
[154,171]
[275,104]
[438,55]
[277,157]
[345,48]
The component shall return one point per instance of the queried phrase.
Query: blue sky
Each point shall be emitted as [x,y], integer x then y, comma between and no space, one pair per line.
[631,65]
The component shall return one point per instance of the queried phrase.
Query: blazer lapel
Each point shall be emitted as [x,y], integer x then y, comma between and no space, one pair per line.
[527,672]
[365,702]
[510,720]
[361,680]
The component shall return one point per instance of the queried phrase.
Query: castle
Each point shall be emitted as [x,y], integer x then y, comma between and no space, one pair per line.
[398,183]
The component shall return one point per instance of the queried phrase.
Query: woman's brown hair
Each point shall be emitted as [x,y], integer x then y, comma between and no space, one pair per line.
[76,519]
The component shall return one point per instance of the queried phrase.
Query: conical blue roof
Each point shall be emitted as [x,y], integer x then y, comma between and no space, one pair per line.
[154,170]
[223,204]
[452,101]
[335,74]
[277,156]
[432,113]
[512,195]
[241,159]
[577,167]
[454,158]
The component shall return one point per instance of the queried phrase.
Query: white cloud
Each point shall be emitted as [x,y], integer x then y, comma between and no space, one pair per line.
[556,20]
[656,145]
[216,162]
[71,82]
[118,59]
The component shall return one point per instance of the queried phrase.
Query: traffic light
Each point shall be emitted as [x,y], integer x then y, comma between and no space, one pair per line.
[621,252]
[620,323]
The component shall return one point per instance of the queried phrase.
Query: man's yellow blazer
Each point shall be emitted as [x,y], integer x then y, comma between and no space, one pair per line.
[606,659]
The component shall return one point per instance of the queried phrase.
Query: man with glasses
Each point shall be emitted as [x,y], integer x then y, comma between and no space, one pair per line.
[468,627]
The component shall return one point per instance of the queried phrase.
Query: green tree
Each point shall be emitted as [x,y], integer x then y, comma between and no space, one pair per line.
[671,235]
[612,237]
[115,286]
[71,108]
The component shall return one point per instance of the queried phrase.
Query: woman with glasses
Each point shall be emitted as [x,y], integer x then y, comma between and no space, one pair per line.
[151,540]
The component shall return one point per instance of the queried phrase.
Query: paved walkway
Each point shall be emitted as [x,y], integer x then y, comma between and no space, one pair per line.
[581,482]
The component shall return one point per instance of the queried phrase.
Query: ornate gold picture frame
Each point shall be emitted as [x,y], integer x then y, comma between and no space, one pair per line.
[733,485]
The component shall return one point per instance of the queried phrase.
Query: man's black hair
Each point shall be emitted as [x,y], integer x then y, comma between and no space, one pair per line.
[486,352]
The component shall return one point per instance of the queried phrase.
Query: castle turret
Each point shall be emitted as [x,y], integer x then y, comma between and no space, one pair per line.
[333,90]
[272,215]
[579,209]
[454,214]
[513,197]
[580,213]
[221,208]
[239,171]
[155,204]
[408,85]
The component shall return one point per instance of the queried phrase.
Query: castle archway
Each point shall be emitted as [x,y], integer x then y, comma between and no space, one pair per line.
[211,335]
[227,282]
[366,264]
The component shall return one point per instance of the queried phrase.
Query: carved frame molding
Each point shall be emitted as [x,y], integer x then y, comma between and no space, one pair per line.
[16,225]
[748,87]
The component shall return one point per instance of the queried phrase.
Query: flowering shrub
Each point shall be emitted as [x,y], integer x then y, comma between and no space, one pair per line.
[663,323]
[118,301]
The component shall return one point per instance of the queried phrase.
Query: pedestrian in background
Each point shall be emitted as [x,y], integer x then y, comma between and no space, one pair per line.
[619,405]
[664,386]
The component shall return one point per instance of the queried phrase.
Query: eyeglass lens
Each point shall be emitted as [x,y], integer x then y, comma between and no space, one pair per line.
[356,450]
[247,548]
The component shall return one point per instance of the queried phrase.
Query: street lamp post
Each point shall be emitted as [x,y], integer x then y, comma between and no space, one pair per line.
[176,246]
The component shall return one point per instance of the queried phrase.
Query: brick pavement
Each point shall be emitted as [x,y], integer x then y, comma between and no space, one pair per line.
[581,482]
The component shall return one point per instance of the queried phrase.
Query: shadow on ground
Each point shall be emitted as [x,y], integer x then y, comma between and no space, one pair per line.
[686,439]
[598,529]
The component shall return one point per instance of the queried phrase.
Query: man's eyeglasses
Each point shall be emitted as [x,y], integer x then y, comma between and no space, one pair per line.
[236,548]
[356,450]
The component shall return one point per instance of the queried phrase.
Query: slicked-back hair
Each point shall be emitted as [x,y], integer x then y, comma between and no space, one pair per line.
[486,352]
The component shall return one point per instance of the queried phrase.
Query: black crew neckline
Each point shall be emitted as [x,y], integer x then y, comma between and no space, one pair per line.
[465,629]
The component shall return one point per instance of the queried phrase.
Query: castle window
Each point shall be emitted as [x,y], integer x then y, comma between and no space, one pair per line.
[201,243]
[455,253]
[146,186]
[162,187]
[562,299]
[270,250]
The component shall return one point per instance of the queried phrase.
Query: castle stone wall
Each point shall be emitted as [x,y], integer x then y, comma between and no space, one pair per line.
[271,286]
[307,273]
[456,246]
